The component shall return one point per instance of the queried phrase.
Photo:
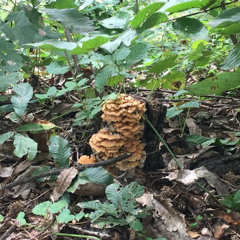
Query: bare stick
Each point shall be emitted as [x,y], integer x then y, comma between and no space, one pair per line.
[9,232]
[57,171]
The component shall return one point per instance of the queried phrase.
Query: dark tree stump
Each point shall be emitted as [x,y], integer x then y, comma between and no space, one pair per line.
[155,113]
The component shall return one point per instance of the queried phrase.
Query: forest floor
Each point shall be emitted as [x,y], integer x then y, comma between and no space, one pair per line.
[184,204]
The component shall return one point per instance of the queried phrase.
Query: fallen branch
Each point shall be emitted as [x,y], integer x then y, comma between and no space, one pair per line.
[57,171]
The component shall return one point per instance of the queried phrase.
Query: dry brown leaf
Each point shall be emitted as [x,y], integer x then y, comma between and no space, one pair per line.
[63,182]
[190,176]
[5,172]
[193,127]
[193,234]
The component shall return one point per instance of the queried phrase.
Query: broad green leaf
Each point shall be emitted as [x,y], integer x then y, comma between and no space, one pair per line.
[54,44]
[232,60]
[173,111]
[163,64]
[191,27]
[175,80]
[111,46]
[151,83]
[61,4]
[112,193]
[127,36]
[103,75]
[190,104]
[138,53]
[79,216]
[94,205]
[145,13]
[25,145]
[114,80]
[42,208]
[154,20]
[236,197]
[55,68]
[231,29]
[216,85]
[4,137]
[98,175]
[7,80]
[85,4]
[60,150]
[35,127]
[226,18]
[23,94]
[119,21]
[198,140]
[134,223]
[1,218]
[10,59]
[21,219]
[121,54]
[90,44]
[72,19]
[58,206]
[184,6]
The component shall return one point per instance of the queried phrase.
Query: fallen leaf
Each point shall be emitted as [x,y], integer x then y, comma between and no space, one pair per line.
[63,182]
[6,172]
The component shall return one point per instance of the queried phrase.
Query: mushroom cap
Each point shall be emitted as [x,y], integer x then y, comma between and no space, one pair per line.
[84,159]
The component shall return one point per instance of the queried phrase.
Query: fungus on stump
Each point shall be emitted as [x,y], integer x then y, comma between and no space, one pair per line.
[122,134]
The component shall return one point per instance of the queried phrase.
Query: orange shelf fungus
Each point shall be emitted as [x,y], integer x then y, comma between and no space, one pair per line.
[123,132]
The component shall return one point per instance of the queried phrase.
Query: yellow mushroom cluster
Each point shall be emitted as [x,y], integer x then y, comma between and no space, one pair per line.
[123,132]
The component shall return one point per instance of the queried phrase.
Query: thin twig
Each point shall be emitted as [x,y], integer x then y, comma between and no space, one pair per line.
[9,232]
[57,171]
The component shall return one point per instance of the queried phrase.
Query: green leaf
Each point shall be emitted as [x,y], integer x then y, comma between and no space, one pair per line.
[79,216]
[1,218]
[121,54]
[90,44]
[184,6]
[191,27]
[145,13]
[94,205]
[21,219]
[102,76]
[111,46]
[198,140]
[72,19]
[35,127]
[10,79]
[98,175]
[154,20]
[4,137]
[65,216]
[112,193]
[231,29]
[216,85]
[162,65]
[127,37]
[116,22]
[25,145]
[23,94]
[42,208]
[138,52]
[56,68]
[54,44]
[175,80]
[114,80]
[134,223]
[58,206]
[232,60]
[226,18]
[236,198]
[61,4]
[190,104]
[60,150]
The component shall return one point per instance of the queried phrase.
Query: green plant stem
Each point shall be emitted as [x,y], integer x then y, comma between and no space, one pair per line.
[76,235]
[184,124]
[164,143]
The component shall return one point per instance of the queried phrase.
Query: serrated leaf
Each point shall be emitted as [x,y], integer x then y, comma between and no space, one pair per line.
[72,19]
[232,60]
[226,18]
[191,27]
[25,146]
[42,208]
[94,205]
[98,175]
[4,137]
[102,76]
[23,94]
[216,85]
[60,150]
[145,13]
[65,216]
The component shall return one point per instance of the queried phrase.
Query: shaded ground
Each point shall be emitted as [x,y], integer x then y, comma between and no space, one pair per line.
[184,204]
